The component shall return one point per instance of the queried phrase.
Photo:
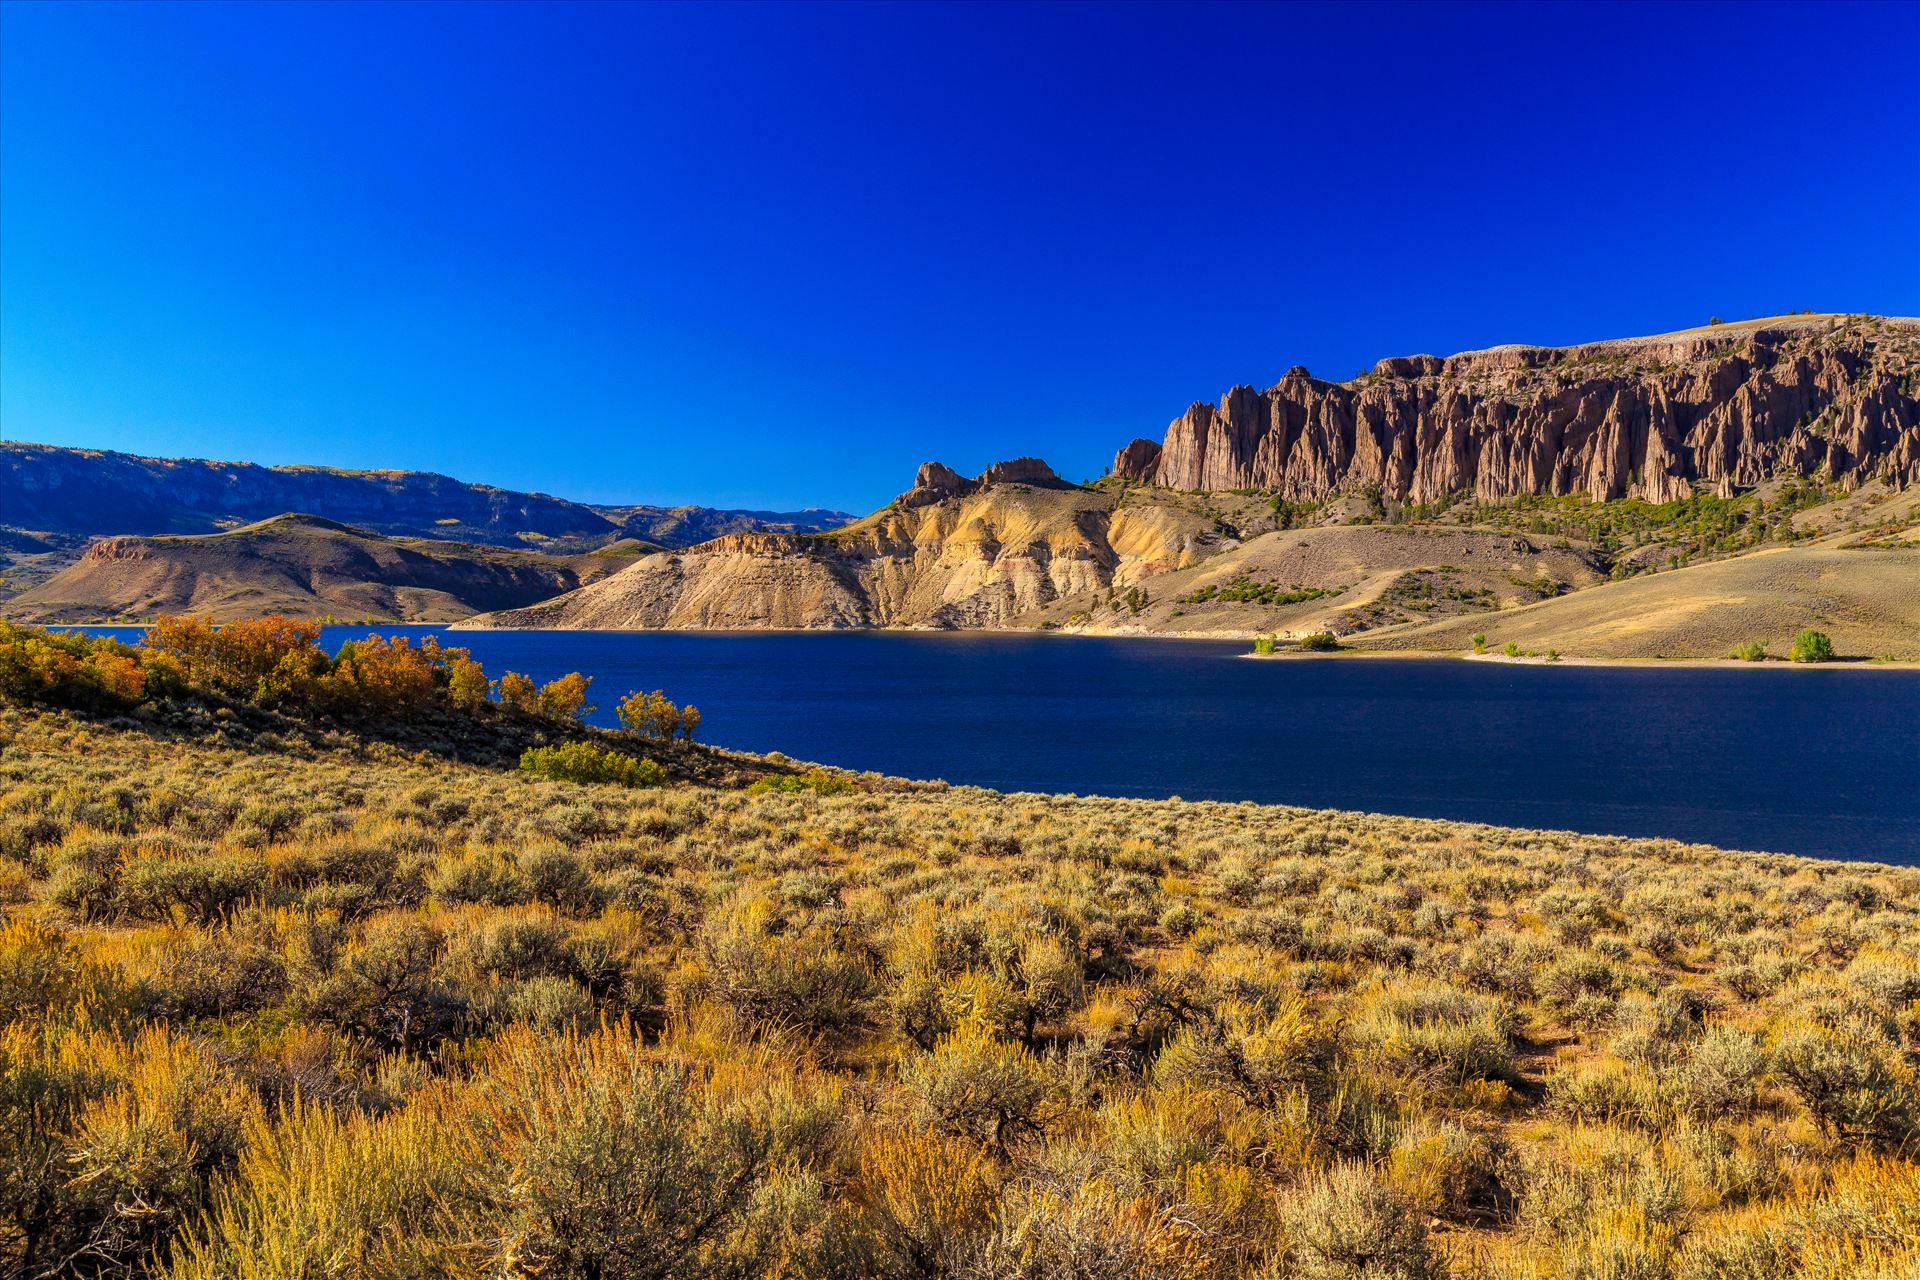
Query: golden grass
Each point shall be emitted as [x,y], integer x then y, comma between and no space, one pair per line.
[344,1012]
[1867,598]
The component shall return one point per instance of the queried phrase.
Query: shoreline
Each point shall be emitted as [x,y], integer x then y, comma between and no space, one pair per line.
[1215,637]
[1569,660]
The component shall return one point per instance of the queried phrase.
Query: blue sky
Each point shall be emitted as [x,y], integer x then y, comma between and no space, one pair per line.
[779,255]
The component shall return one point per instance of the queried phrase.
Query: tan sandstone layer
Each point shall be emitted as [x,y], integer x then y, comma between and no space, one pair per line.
[950,552]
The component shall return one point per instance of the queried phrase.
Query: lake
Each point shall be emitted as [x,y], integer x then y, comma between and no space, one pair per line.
[1813,761]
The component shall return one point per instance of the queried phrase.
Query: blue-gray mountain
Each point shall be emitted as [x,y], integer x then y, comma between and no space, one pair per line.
[88,492]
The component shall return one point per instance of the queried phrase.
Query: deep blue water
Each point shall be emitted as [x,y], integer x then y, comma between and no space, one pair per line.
[1823,762]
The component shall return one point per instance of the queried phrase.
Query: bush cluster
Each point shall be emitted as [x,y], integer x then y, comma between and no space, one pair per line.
[278,662]
[1240,589]
[1812,646]
[585,762]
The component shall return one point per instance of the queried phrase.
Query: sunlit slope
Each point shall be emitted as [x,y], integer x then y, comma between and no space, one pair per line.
[1866,597]
[1295,581]
[306,567]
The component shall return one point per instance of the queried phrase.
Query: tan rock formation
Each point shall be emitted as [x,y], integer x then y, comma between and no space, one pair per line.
[950,552]
[936,480]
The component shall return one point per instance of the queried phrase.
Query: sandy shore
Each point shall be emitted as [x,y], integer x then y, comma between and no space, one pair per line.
[1568,660]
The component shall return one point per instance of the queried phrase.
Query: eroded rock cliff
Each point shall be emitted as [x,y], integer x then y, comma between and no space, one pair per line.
[1730,405]
[950,552]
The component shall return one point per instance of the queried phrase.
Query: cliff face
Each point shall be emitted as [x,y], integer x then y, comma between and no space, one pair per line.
[1733,405]
[950,552]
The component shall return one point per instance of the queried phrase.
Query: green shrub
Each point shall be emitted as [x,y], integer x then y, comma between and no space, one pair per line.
[1447,1170]
[1812,646]
[1479,642]
[1749,651]
[559,877]
[1512,650]
[1721,1071]
[1426,1027]
[583,762]
[817,781]
[1265,644]
[1319,642]
[152,887]
[1241,588]
[1262,1057]
[483,876]
[774,973]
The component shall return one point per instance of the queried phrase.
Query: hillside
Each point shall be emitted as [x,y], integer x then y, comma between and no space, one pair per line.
[1867,597]
[1727,406]
[307,567]
[1423,491]
[1018,548]
[1339,578]
[685,526]
[947,553]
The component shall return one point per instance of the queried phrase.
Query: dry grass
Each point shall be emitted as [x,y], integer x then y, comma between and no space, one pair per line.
[1867,598]
[342,1012]
[1373,574]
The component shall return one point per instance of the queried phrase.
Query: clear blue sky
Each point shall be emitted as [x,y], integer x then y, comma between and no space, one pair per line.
[779,255]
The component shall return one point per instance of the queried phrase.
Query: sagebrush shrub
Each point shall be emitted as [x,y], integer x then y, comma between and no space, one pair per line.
[584,762]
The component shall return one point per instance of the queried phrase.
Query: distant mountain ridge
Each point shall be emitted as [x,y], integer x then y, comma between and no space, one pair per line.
[89,492]
[689,526]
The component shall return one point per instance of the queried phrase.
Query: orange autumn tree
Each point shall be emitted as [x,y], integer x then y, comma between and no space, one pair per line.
[387,675]
[654,716]
[274,654]
[273,660]
[564,698]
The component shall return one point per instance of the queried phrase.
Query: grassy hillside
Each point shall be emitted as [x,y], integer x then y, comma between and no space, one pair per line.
[1623,579]
[1864,593]
[306,567]
[1343,577]
[284,999]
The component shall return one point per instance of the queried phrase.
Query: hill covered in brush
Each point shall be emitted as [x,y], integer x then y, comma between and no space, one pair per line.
[307,567]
